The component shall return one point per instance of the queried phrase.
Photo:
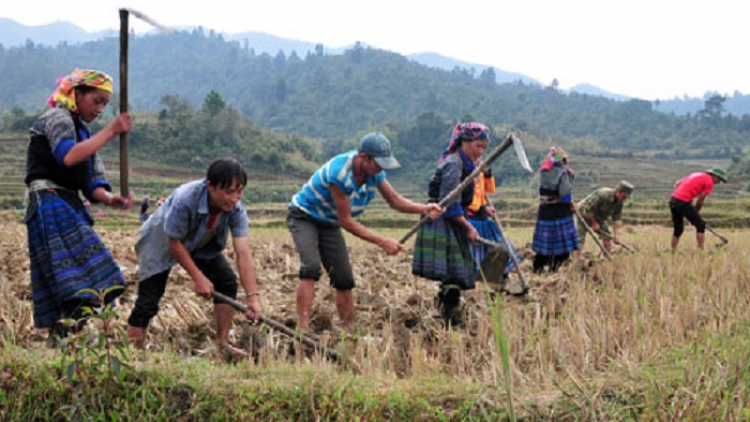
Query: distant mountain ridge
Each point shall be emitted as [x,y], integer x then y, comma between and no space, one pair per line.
[13,34]
[16,34]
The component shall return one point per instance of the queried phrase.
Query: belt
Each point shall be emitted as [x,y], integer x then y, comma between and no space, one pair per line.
[43,184]
[549,200]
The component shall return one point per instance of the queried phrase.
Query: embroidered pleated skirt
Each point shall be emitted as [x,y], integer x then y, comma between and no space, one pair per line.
[555,232]
[66,256]
[442,253]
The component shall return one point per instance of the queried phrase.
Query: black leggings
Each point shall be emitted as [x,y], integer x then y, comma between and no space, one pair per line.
[681,210]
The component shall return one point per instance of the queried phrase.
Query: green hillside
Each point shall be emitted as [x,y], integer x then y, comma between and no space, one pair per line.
[196,97]
[336,97]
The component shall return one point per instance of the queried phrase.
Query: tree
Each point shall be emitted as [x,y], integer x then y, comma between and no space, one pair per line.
[488,75]
[713,109]
[175,104]
[281,90]
[213,104]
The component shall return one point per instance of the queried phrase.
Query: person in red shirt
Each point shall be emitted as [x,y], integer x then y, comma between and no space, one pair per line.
[696,185]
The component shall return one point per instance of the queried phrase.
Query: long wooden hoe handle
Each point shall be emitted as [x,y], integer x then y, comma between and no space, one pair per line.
[608,235]
[516,264]
[124,180]
[279,327]
[593,235]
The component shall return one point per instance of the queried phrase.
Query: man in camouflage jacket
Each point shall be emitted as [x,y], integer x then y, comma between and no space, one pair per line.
[600,205]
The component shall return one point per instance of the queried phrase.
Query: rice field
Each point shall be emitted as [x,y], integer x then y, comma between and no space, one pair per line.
[650,335]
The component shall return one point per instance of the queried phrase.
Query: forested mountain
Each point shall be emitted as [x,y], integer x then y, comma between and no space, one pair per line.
[339,97]
[737,104]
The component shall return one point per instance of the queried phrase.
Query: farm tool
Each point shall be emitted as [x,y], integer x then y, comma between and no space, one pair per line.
[608,235]
[517,265]
[280,327]
[724,240]
[593,235]
[511,139]
[499,255]
[494,262]
[124,15]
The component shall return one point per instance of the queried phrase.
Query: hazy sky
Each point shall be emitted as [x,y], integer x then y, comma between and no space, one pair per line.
[641,48]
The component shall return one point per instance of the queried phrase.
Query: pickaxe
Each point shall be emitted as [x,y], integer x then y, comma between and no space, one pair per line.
[124,13]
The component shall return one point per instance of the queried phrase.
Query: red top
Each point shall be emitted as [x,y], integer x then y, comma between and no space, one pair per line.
[693,185]
[212,218]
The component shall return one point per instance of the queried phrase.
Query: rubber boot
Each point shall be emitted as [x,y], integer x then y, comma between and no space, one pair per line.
[449,304]
[557,261]
[540,261]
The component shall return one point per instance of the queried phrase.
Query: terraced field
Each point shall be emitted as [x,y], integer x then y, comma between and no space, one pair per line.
[266,198]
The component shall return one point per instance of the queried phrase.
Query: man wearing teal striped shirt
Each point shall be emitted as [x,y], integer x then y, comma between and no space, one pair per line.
[336,193]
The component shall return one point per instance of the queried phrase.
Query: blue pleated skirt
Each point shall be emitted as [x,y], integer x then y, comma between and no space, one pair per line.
[66,256]
[441,253]
[555,236]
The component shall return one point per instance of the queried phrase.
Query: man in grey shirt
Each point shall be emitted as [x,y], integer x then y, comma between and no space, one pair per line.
[191,229]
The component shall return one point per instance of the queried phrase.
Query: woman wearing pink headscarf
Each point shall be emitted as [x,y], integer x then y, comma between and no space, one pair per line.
[442,249]
[66,253]
[555,234]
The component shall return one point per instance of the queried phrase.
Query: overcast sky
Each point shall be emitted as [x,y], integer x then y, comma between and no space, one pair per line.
[650,49]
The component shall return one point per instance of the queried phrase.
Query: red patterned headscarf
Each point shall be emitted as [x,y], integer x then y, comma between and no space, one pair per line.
[465,131]
[64,94]
[556,155]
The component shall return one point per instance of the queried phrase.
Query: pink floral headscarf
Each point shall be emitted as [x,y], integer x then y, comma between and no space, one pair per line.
[64,94]
[465,131]
[556,155]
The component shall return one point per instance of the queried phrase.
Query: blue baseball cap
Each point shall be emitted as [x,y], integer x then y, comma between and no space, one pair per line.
[377,146]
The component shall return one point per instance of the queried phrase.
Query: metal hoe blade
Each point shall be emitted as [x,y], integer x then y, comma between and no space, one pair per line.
[494,262]
[521,153]
[143,17]
[724,240]
[609,236]
[279,327]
